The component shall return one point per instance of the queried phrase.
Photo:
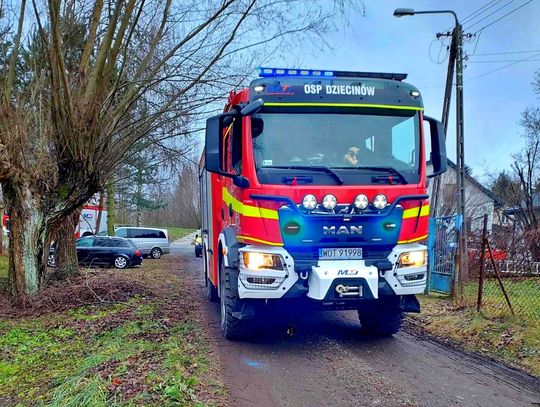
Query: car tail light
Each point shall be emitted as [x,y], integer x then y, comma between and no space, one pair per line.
[138,253]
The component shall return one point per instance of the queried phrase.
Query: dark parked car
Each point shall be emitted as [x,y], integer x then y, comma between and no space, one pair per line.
[108,251]
[105,251]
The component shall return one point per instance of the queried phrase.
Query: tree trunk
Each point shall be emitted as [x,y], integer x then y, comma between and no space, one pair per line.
[66,252]
[138,198]
[111,209]
[100,212]
[27,236]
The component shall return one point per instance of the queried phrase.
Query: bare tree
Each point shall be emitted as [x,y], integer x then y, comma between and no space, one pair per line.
[143,67]
[525,193]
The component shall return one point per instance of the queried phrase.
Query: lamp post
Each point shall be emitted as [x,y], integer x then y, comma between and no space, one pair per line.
[457,46]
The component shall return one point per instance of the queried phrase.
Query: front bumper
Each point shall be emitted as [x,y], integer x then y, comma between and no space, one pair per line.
[359,279]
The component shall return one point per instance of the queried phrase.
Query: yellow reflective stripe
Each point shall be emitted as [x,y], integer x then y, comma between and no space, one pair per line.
[259,240]
[413,212]
[416,239]
[318,104]
[247,210]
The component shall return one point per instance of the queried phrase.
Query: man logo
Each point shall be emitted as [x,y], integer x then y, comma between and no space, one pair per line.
[342,230]
[347,272]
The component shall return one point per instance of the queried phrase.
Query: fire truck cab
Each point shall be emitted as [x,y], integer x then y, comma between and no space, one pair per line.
[313,194]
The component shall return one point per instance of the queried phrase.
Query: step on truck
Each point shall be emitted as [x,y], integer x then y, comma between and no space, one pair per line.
[313,196]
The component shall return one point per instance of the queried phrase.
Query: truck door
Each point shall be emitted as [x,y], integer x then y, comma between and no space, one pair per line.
[233,162]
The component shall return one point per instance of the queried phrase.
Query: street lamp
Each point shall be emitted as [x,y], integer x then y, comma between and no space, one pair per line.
[403,12]
[456,52]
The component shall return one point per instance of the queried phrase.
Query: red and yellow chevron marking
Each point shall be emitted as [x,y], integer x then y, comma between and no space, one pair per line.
[414,225]
[259,225]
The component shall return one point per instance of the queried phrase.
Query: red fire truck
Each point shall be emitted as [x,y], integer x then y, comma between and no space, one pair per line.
[313,194]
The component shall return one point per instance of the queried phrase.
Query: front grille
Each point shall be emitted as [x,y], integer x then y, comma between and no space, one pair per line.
[261,282]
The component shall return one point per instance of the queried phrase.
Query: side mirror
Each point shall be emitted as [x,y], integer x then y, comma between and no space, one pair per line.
[214,142]
[213,149]
[438,147]
[252,107]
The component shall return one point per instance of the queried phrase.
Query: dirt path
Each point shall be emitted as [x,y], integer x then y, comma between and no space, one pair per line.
[329,363]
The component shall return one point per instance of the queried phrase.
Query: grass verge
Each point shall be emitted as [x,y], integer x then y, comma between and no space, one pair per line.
[146,350]
[3,272]
[178,233]
[515,341]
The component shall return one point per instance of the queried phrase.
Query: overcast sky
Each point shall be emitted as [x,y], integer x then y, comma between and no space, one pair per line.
[377,41]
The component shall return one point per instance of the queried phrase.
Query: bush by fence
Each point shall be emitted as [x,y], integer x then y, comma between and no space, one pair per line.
[508,285]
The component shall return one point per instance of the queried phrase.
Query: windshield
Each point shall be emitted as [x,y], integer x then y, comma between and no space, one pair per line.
[377,146]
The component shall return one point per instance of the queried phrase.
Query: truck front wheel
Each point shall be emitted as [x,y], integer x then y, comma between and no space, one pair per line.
[232,327]
[384,320]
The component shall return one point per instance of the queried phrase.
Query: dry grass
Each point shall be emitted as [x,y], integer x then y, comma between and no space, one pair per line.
[511,340]
[109,338]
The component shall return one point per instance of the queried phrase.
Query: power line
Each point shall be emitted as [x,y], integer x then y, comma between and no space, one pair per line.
[507,14]
[506,60]
[490,14]
[478,11]
[504,67]
[530,58]
[506,53]
[475,14]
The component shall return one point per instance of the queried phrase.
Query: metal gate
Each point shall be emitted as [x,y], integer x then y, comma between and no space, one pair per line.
[442,250]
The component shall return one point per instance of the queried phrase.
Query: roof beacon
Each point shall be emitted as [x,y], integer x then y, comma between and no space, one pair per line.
[280,72]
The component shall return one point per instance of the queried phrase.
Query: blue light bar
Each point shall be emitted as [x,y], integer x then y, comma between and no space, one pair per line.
[272,72]
[280,72]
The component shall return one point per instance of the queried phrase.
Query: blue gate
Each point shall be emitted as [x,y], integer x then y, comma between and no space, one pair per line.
[442,249]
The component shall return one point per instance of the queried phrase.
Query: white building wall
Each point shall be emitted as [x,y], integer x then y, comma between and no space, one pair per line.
[477,202]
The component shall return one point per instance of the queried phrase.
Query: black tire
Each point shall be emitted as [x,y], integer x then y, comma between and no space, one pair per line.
[233,328]
[120,262]
[156,253]
[382,321]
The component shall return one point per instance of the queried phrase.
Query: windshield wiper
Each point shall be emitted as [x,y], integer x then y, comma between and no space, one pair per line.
[390,170]
[310,168]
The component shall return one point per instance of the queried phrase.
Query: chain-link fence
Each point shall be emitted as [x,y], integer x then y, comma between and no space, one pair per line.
[508,282]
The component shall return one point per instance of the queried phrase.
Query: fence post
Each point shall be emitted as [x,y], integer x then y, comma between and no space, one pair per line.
[497,274]
[482,263]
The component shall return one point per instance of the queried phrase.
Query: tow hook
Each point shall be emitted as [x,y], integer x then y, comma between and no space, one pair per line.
[349,290]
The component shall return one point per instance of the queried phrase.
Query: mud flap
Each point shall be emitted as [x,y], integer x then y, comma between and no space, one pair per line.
[409,303]
[246,311]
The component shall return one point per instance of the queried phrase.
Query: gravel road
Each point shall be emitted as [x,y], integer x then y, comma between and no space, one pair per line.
[327,362]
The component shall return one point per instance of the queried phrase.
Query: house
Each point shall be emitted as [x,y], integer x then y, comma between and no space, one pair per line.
[479,200]
[521,212]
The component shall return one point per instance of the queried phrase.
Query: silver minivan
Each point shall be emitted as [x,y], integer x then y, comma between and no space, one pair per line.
[153,242]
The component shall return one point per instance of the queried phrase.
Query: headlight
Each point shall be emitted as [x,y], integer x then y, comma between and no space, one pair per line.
[262,261]
[309,202]
[417,258]
[329,202]
[361,201]
[380,201]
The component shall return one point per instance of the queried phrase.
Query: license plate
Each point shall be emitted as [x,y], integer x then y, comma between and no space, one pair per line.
[348,253]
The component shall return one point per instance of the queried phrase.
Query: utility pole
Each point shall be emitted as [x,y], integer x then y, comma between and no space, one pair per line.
[460,154]
[445,114]
[457,44]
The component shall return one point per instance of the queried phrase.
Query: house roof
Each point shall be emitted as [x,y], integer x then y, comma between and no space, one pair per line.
[515,209]
[472,180]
